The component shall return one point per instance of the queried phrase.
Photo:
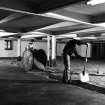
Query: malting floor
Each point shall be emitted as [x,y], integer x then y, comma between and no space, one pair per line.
[46,88]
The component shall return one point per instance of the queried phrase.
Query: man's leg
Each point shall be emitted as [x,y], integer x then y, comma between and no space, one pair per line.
[66,74]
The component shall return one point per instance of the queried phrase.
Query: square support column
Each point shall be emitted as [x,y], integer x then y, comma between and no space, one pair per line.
[53,51]
[19,49]
[48,50]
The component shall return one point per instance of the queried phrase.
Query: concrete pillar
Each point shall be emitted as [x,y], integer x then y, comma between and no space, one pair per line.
[19,49]
[48,50]
[53,51]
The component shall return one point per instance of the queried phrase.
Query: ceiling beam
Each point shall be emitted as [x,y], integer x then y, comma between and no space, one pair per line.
[27,29]
[7,34]
[95,30]
[70,14]
[9,18]
[69,31]
[60,29]
[58,25]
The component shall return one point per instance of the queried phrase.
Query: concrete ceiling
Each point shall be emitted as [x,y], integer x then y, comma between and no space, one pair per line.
[32,15]
[25,18]
[84,12]
[85,9]
[25,22]
[88,20]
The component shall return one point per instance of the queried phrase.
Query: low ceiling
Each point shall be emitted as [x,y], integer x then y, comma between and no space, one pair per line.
[84,12]
[21,14]
[19,22]
[88,20]
[32,15]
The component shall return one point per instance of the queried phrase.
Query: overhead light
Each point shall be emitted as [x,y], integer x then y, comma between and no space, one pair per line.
[67,35]
[91,37]
[2,30]
[2,34]
[32,36]
[95,2]
[100,24]
[35,32]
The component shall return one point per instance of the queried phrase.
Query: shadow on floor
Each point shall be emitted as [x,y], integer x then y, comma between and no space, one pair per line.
[27,81]
[88,86]
[81,84]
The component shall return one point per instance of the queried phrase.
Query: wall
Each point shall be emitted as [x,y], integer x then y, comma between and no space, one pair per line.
[8,53]
[60,47]
[81,50]
[37,45]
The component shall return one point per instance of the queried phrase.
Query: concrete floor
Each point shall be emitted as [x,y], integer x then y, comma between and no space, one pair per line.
[45,87]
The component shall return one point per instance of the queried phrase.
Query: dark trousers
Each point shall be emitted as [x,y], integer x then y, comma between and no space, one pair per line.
[66,74]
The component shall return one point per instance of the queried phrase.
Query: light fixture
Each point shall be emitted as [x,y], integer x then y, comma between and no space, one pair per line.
[100,24]
[66,36]
[32,36]
[95,2]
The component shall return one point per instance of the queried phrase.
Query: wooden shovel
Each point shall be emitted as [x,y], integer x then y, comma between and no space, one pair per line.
[84,76]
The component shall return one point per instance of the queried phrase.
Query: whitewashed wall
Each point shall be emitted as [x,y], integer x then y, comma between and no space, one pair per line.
[8,53]
[81,50]
[60,47]
[37,45]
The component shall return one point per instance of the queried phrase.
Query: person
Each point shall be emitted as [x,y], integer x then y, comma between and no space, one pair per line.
[30,45]
[68,50]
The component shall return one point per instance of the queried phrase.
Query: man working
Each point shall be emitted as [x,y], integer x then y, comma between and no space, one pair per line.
[68,50]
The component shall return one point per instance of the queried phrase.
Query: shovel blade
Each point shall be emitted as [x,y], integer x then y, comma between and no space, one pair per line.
[84,77]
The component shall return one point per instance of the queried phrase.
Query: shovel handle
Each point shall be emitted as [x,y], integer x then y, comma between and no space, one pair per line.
[86,52]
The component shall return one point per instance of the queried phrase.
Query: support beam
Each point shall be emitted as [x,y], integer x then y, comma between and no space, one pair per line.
[10,18]
[53,53]
[48,50]
[71,15]
[19,49]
